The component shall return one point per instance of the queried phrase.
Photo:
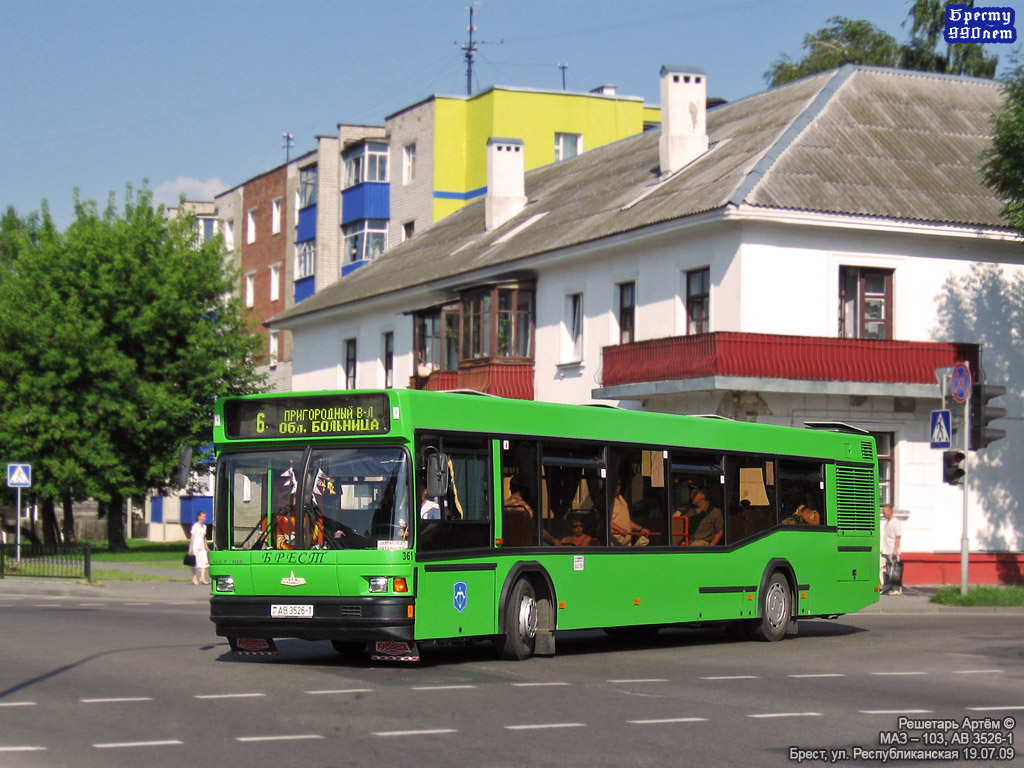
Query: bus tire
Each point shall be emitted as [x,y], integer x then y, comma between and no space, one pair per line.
[776,610]
[519,631]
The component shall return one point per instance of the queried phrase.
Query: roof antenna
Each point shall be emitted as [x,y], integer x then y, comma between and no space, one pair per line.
[289,142]
[563,67]
[469,48]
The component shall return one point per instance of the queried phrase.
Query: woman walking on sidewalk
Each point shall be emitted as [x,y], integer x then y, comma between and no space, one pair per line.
[197,546]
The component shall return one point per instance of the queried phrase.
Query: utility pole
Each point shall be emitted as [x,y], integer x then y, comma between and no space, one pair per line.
[289,142]
[469,49]
[563,67]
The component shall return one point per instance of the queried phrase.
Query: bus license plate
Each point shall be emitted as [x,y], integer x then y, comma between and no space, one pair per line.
[291,611]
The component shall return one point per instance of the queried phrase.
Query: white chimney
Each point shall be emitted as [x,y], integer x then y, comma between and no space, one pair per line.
[684,133]
[506,183]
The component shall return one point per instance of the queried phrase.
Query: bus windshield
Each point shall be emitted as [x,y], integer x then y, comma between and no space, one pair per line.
[330,498]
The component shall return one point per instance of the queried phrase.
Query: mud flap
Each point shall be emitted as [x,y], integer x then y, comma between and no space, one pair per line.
[252,646]
[394,650]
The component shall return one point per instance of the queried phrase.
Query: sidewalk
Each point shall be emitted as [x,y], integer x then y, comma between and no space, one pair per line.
[177,585]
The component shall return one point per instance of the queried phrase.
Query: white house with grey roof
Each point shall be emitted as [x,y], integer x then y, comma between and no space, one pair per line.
[811,253]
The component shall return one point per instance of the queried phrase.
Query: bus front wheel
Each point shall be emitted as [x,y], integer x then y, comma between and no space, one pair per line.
[519,627]
[776,610]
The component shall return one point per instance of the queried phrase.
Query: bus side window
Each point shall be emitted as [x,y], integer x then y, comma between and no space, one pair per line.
[801,492]
[573,489]
[520,493]
[462,519]
[751,504]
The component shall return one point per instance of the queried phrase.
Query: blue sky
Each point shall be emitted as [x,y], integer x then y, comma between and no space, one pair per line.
[194,96]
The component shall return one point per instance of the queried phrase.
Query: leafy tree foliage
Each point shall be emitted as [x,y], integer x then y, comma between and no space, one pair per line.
[1003,166]
[856,41]
[115,338]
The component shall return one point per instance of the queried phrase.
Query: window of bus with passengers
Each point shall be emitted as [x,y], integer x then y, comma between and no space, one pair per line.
[461,517]
[329,498]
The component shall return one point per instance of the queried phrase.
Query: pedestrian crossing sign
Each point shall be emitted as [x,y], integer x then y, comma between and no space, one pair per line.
[941,432]
[19,475]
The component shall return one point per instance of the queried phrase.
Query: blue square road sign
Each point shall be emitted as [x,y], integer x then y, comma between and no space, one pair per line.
[19,475]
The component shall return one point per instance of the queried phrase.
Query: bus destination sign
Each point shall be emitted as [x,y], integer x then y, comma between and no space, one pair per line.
[327,416]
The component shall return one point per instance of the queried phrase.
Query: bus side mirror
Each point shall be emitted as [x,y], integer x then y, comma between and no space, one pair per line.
[437,474]
[184,466]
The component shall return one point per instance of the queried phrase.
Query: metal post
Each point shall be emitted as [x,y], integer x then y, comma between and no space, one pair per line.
[17,530]
[964,544]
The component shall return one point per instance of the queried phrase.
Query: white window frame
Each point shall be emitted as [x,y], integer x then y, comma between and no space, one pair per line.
[305,259]
[409,163]
[573,317]
[272,348]
[250,226]
[250,289]
[275,216]
[275,282]
[229,234]
[360,231]
[387,375]
[562,140]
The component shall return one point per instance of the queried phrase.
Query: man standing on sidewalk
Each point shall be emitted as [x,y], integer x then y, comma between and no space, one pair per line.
[892,532]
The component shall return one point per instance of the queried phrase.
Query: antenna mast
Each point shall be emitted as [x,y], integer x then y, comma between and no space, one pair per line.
[469,49]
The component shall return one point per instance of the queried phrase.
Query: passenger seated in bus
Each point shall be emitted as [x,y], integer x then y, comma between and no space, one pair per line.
[705,521]
[429,509]
[515,502]
[805,514]
[623,527]
[577,538]
[517,517]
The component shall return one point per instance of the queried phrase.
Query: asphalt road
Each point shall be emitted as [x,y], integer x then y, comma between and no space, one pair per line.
[133,675]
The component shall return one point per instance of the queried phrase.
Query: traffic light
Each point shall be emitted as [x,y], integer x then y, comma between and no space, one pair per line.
[953,467]
[982,413]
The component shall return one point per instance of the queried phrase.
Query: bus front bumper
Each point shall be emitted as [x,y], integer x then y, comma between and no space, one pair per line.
[363,619]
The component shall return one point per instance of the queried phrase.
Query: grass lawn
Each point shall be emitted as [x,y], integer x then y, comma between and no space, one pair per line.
[980,596]
[140,550]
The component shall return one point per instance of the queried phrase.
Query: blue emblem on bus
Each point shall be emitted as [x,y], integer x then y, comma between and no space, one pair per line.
[459,598]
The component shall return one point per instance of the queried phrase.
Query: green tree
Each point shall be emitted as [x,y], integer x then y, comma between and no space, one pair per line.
[1003,163]
[115,338]
[927,51]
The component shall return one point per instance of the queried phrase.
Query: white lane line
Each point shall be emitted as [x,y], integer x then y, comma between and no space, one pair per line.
[995,709]
[769,715]
[534,685]
[431,732]
[441,687]
[640,680]
[733,677]
[979,671]
[820,674]
[898,674]
[896,711]
[285,737]
[17,703]
[669,720]
[136,603]
[543,726]
[229,695]
[22,749]
[340,690]
[91,605]
[117,700]
[46,605]
[129,744]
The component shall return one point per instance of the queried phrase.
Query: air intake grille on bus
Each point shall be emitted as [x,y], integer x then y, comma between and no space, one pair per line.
[867,451]
[856,493]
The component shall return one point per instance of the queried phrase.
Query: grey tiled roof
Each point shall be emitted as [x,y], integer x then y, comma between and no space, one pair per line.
[856,141]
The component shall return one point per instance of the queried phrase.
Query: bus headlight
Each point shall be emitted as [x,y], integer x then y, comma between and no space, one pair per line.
[378,583]
[224,584]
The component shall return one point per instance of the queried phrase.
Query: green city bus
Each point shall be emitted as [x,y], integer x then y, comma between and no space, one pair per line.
[384,519]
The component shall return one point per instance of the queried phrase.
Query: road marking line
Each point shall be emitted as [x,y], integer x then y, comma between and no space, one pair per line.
[441,687]
[534,685]
[541,726]
[995,709]
[291,737]
[17,704]
[978,671]
[641,680]
[340,690]
[669,720]
[898,674]
[22,749]
[733,677]
[896,711]
[136,603]
[785,714]
[117,700]
[432,732]
[91,605]
[229,695]
[125,744]
[820,674]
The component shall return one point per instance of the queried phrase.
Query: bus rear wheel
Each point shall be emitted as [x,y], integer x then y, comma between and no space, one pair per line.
[519,627]
[776,610]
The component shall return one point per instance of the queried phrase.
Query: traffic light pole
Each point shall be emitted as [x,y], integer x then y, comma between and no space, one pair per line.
[964,543]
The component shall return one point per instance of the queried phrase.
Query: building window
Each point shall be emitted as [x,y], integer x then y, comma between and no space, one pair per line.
[367,162]
[567,145]
[229,234]
[408,163]
[307,186]
[275,282]
[572,329]
[884,442]
[408,230]
[272,349]
[698,301]
[250,226]
[275,216]
[865,303]
[350,363]
[627,312]
[250,289]
[205,228]
[305,259]
[365,239]
[388,358]
[427,344]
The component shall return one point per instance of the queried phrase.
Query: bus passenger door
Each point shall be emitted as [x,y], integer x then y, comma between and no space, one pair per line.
[455,600]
